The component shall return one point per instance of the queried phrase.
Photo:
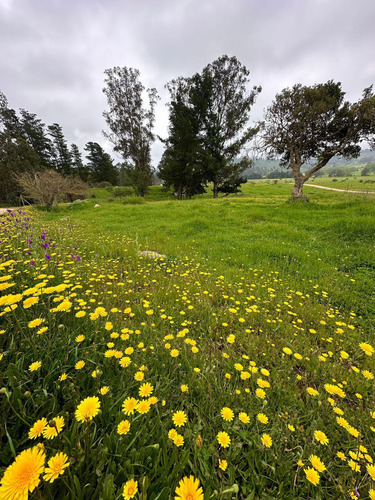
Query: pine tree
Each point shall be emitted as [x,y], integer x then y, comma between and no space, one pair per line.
[100,165]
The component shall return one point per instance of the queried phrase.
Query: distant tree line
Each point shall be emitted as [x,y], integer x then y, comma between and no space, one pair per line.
[27,145]
[304,129]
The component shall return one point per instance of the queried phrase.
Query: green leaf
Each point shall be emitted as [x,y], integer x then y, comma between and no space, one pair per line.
[10,442]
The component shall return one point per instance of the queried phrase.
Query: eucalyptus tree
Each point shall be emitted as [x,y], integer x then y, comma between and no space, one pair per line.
[131,122]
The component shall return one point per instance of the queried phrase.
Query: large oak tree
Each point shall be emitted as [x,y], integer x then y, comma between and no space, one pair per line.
[307,126]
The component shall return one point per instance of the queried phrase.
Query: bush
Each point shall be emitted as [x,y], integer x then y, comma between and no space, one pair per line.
[120,192]
[72,196]
[48,186]
[103,184]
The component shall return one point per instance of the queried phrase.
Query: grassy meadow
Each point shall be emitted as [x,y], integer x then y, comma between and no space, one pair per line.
[241,355]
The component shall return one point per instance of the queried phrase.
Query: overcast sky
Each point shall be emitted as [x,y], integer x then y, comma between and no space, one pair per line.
[53,53]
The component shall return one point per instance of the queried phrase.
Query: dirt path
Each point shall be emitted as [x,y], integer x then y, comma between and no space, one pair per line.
[341,190]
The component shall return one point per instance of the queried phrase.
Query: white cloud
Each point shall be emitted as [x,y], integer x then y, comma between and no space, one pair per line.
[54,53]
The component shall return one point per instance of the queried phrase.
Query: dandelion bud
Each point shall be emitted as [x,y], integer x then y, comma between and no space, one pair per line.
[199,441]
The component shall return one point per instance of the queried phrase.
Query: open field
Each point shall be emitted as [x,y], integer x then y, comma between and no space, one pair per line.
[243,357]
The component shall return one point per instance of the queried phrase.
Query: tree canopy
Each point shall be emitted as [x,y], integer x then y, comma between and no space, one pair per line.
[309,125]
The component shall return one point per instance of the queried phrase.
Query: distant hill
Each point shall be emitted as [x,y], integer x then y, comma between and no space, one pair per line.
[264,167]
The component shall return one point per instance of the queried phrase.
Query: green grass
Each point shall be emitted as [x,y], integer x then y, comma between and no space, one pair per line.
[254,292]
[329,240]
[366,183]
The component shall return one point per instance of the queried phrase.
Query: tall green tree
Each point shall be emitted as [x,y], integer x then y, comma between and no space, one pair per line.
[309,125]
[219,101]
[33,130]
[224,99]
[60,156]
[16,153]
[130,122]
[182,163]
[100,165]
[78,168]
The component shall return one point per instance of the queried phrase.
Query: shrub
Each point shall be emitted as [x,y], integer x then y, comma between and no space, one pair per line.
[120,192]
[48,186]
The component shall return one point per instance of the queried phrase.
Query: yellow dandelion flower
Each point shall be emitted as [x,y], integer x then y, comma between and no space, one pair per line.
[262,418]
[175,353]
[317,463]
[227,414]
[79,365]
[260,393]
[223,464]
[87,409]
[312,476]
[172,434]
[35,366]
[80,338]
[143,406]
[179,440]
[123,427]
[189,489]
[184,388]
[125,362]
[367,348]
[266,440]
[179,418]
[354,466]
[223,439]
[54,427]
[146,390]
[38,428]
[244,417]
[30,301]
[130,489]
[35,322]
[371,471]
[321,437]
[104,390]
[56,467]
[129,406]
[23,475]
[139,376]
[312,391]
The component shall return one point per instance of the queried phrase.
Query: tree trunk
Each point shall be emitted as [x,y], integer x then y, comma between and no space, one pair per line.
[297,193]
[216,190]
